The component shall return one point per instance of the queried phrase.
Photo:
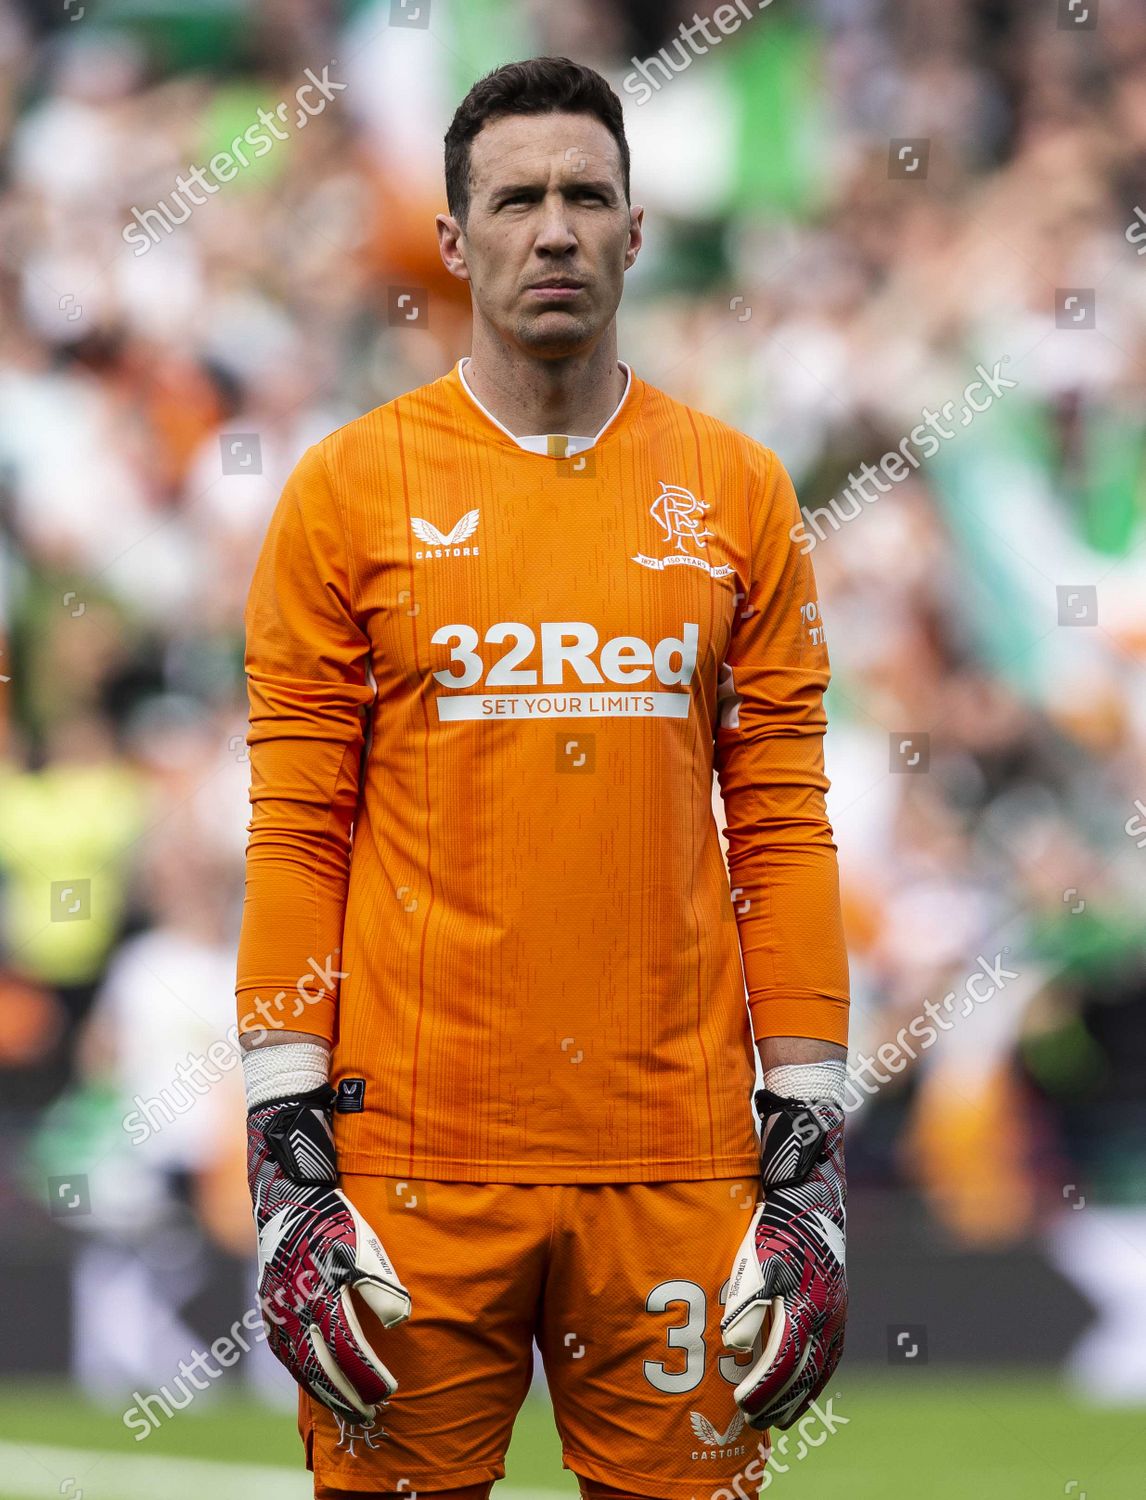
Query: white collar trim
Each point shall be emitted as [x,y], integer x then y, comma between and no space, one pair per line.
[539,442]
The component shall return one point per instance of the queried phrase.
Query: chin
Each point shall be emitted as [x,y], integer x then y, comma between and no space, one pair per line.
[556,333]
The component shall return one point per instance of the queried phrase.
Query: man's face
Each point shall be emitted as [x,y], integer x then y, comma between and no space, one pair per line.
[548,236]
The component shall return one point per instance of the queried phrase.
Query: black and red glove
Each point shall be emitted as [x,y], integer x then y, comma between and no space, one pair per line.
[789,1285]
[316,1253]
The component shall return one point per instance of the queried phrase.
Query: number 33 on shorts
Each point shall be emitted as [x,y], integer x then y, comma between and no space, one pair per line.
[681,1373]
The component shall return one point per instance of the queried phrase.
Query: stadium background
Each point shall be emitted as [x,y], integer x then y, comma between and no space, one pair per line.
[851,205]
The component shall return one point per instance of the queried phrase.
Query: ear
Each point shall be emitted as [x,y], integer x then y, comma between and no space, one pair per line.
[636,235]
[451,245]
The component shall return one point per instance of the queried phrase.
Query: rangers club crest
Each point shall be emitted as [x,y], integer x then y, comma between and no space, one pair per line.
[681,515]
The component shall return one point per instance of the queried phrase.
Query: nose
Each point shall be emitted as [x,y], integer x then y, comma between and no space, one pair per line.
[555,233]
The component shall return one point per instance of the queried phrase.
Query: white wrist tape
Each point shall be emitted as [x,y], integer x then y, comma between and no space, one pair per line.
[809,1081]
[284,1070]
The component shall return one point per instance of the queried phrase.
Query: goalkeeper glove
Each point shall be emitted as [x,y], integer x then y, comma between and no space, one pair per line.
[315,1252]
[789,1283]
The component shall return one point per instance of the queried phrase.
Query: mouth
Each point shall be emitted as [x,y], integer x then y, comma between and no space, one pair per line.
[557,289]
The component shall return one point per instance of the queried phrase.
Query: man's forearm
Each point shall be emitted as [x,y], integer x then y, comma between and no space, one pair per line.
[784,1051]
[249,1040]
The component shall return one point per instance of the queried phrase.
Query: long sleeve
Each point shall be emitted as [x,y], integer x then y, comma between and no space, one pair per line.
[770,763]
[306,661]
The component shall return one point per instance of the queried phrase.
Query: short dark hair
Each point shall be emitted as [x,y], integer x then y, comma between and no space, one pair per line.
[536,86]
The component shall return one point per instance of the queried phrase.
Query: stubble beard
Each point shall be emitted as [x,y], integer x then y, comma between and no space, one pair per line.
[554,334]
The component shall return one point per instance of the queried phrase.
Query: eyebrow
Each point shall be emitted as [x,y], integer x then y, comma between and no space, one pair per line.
[535,190]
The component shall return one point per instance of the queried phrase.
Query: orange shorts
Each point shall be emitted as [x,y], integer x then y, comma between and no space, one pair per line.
[621,1285]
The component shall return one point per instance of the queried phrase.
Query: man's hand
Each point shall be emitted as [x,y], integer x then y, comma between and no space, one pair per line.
[316,1253]
[789,1281]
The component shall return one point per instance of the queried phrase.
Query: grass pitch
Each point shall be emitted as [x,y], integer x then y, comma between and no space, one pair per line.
[921,1437]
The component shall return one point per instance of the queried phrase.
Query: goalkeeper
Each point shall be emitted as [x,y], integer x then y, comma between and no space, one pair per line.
[499,1003]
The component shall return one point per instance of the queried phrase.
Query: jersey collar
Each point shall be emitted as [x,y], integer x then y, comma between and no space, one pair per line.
[542,442]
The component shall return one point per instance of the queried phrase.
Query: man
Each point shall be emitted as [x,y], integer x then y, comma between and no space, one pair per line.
[501,630]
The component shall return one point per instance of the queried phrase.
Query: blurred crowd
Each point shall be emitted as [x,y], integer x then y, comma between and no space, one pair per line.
[850,205]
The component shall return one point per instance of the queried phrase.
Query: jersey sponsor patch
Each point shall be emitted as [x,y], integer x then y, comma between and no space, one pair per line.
[351,1096]
[563,650]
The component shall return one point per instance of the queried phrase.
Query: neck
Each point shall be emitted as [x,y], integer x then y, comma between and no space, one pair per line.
[575,395]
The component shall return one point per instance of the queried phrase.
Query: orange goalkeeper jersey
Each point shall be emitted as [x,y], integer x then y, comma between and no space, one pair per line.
[488,688]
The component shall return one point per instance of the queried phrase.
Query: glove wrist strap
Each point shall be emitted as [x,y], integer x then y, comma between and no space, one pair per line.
[299,1135]
[795,1136]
